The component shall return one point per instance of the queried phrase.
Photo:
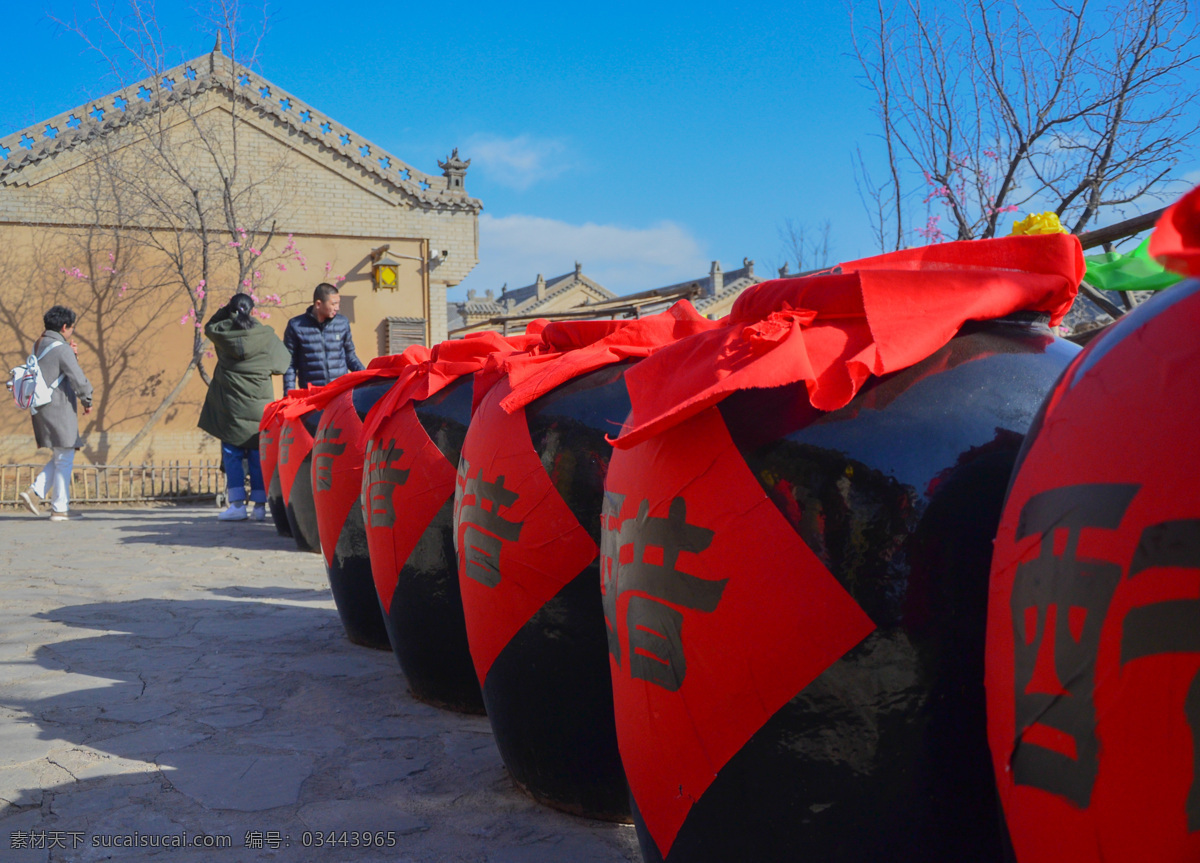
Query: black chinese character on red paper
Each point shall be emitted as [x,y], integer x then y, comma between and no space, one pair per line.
[324,451]
[653,619]
[286,438]
[380,478]
[486,529]
[1059,603]
[1171,626]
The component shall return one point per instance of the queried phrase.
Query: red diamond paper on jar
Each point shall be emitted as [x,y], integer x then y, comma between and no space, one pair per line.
[337,467]
[518,542]
[268,449]
[406,481]
[295,443]
[718,613]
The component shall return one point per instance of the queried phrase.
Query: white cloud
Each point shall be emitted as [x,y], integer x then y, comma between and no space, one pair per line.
[518,162]
[514,249]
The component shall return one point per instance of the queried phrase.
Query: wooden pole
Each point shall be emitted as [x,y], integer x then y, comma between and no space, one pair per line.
[1119,231]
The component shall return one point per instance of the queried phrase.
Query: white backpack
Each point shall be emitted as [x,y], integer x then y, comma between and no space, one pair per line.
[29,388]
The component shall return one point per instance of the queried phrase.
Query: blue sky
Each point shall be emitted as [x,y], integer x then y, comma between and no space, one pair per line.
[644,140]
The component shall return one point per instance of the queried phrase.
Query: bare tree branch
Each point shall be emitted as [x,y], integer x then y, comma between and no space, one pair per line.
[997,107]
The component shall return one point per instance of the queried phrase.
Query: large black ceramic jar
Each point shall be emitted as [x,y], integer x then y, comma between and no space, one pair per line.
[337,471]
[408,498]
[527,524]
[1093,654]
[295,478]
[796,603]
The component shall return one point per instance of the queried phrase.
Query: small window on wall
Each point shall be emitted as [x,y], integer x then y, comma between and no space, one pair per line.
[399,333]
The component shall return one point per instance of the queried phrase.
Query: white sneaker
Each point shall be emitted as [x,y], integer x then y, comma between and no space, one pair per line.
[59,516]
[31,499]
[260,512]
[235,512]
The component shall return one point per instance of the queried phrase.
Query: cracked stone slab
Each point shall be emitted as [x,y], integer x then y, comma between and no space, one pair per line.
[25,741]
[142,710]
[306,740]
[12,827]
[248,783]
[25,669]
[472,753]
[553,849]
[87,764]
[364,774]
[22,786]
[149,741]
[361,815]
[165,617]
[69,690]
[26,785]
[231,717]
[341,666]
[253,627]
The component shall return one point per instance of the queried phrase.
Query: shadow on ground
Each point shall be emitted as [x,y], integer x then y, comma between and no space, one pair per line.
[257,720]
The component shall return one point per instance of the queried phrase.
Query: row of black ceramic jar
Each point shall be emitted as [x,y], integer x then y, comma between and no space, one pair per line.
[758,628]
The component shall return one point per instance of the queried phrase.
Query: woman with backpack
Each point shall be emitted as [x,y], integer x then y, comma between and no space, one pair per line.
[56,423]
[248,353]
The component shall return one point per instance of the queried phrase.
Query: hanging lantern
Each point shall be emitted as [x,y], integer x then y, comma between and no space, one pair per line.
[385,272]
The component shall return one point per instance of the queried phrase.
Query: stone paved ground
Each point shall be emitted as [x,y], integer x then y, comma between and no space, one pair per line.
[164,673]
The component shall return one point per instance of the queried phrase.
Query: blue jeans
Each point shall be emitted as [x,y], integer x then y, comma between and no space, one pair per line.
[235,475]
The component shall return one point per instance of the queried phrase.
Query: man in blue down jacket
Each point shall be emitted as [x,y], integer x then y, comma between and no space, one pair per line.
[319,342]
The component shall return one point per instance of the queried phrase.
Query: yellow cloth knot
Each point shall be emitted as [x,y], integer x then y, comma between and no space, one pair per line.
[1038,223]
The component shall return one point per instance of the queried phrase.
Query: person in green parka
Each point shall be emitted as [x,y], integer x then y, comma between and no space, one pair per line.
[248,353]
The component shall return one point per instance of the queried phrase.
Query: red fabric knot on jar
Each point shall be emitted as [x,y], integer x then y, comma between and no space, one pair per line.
[767,334]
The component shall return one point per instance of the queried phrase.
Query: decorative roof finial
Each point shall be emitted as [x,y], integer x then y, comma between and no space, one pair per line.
[217,48]
[454,170]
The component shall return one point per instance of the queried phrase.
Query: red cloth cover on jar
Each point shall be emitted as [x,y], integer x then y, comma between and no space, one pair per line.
[863,318]
[433,370]
[573,348]
[1175,242]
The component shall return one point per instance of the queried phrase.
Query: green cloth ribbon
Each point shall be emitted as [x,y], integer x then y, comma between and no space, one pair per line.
[1136,271]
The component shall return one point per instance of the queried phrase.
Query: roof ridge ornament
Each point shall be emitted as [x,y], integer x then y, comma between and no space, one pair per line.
[218,48]
[454,170]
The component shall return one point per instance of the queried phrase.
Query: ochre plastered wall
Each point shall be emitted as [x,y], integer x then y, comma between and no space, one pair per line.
[132,344]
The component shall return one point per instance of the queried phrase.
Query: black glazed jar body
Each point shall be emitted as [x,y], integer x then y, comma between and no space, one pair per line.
[536,624]
[408,494]
[301,509]
[337,468]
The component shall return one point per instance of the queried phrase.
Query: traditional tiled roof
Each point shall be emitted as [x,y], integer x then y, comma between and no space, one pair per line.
[524,299]
[481,306]
[522,303]
[733,283]
[216,72]
[731,289]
